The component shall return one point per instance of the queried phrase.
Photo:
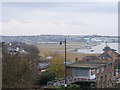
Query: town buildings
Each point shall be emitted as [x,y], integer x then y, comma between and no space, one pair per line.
[101,70]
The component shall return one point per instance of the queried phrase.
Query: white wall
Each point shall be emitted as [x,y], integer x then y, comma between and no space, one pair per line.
[82,73]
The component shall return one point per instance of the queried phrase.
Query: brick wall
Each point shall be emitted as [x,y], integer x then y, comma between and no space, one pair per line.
[105,78]
[69,71]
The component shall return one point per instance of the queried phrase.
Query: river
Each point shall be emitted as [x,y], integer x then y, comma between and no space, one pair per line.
[98,48]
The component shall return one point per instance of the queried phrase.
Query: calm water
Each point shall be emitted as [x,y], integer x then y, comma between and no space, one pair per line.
[99,48]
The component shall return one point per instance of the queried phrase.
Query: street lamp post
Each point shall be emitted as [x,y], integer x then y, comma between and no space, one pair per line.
[65,68]
[65,64]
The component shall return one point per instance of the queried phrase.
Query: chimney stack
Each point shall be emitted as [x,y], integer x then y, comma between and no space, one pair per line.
[76,59]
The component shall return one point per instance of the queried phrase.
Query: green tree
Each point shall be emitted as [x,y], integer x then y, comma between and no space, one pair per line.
[72,87]
[57,66]
[45,77]
[119,86]
[69,87]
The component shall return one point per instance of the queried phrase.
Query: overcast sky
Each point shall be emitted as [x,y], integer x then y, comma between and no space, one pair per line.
[81,18]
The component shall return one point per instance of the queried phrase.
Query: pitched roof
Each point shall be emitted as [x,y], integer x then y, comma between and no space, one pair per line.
[115,53]
[104,55]
[108,48]
[90,58]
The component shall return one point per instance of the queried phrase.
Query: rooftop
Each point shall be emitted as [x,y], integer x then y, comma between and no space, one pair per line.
[105,55]
[108,48]
[95,61]
[91,64]
[85,65]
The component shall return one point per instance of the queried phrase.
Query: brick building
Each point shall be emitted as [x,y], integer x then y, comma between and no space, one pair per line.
[102,72]
[101,69]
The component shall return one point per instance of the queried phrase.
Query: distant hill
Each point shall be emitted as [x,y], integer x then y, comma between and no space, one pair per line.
[55,38]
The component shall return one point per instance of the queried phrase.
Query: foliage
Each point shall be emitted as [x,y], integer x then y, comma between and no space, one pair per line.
[69,87]
[45,77]
[33,51]
[118,85]
[18,70]
[57,66]
[75,86]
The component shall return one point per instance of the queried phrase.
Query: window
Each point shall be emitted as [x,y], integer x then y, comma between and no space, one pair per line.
[97,70]
[92,71]
[102,69]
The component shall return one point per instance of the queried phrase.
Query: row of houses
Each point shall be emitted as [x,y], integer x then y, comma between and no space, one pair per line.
[102,70]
